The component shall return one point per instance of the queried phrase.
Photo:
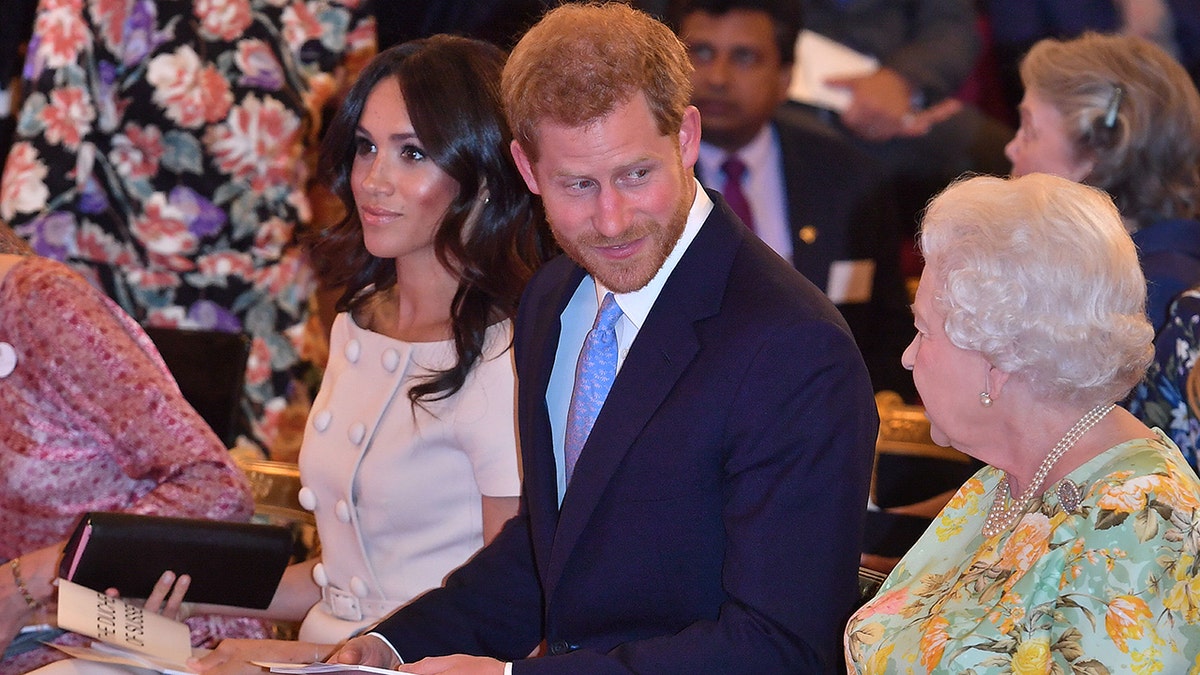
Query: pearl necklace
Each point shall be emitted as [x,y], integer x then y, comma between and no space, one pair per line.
[1004,512]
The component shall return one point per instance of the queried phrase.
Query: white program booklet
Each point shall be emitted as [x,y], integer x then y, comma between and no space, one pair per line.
[818,59]
[322,668]
[126,632]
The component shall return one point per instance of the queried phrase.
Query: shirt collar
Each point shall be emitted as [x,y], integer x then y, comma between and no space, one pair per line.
[754,154]
[636,305]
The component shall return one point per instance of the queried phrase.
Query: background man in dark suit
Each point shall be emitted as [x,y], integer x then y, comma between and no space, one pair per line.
[711,521]
[814,198]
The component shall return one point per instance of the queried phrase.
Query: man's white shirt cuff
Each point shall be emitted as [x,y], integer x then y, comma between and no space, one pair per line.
[389,645]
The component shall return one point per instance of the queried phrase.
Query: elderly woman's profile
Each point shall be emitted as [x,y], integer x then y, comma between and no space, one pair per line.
[1075,549]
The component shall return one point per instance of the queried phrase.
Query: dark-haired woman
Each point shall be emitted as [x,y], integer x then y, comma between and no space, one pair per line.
[409,460]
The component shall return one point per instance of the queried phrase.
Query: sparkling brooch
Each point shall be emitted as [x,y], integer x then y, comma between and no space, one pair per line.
[1070,495]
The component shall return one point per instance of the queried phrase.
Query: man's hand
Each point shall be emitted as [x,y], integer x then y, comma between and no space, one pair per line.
[457,664]
[881,107]
[232,657]
[366,650]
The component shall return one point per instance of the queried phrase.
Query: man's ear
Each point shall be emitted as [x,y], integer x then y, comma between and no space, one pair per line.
[689,137]
[525,167]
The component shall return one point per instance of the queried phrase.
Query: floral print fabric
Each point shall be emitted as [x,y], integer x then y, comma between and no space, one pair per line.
[92,422]
[1110,587]
[1160,399]
[159,152]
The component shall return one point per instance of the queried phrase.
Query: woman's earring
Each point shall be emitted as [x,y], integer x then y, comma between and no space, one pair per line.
[985,399]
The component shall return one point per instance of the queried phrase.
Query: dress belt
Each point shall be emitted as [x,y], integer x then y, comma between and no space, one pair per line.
[349,607]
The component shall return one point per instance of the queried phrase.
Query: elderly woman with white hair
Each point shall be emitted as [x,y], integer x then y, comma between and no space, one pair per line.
[1075,550]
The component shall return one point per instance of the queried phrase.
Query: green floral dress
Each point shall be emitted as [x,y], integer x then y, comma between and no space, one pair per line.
[1109,587]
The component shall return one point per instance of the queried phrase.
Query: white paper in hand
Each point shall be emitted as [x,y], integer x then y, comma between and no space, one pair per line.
[818,59]
[119,623]
[322,668]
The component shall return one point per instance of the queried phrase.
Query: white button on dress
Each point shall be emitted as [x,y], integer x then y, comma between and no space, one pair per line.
[353,351]
[320,576]
[322,420]
[391,360]
[358,431]
[307,498]
[342,511]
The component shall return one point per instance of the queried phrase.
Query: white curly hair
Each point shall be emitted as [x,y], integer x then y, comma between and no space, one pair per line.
[1039,275]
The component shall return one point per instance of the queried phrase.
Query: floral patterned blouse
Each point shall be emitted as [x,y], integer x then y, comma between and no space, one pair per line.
[1111,586]
[159,152]
[1160,399]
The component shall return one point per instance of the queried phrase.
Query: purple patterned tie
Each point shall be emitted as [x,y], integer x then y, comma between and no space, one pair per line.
[734,169]
[594,375]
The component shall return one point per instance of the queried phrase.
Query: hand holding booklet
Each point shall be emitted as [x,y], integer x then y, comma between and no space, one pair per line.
[128,634]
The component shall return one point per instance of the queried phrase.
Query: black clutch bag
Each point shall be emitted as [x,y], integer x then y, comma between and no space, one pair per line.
[230,563]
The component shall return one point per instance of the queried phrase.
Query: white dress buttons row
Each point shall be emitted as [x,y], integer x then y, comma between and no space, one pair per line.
[357,586]
[390,358]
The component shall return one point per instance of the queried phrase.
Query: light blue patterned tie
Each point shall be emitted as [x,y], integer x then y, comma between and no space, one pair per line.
[594,375]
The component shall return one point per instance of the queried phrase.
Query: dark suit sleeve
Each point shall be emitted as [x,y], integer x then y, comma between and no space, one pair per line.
[798,430]
[847,196]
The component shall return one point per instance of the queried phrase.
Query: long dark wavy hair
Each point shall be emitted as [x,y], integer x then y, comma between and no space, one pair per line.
[451,87]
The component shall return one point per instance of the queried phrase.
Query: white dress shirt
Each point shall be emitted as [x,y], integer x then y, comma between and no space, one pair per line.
[579,315]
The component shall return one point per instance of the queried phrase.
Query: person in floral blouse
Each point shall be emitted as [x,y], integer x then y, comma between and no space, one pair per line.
[160,153]
[1077,549]
[1161,398]
[90,421]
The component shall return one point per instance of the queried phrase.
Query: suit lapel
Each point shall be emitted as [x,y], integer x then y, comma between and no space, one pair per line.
[665,346]
[808,188]
[795,178]
[540,471]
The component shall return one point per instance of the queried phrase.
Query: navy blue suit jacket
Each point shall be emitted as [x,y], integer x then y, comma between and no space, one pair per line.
[713,521]
[840,206]
[844,195]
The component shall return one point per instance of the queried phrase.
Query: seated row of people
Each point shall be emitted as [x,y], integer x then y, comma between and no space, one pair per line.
[727,392]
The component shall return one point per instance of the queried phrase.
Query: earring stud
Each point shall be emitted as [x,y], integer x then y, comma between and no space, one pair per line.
[985,399]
